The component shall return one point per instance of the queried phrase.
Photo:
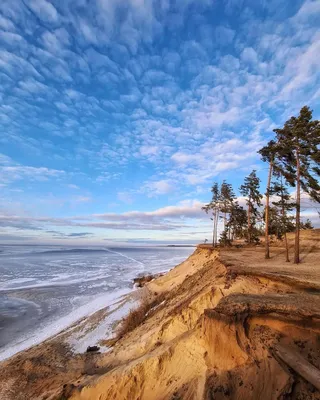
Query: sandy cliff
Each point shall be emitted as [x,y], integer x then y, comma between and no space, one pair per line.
[230,325]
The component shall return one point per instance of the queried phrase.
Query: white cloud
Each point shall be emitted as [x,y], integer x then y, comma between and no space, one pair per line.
[308,10]
[249,55]
[33,86]
[5,160]
[148,150]
[161,187]
[11,39]
[57,41]
[183,158]
[89,33]
[15,173]
[16,66]
[44,10]
[6,24]
[210,117]
[107,176]
[162,219]
[304,69]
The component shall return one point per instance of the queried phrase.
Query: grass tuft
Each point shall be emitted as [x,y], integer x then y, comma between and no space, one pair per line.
[138,315]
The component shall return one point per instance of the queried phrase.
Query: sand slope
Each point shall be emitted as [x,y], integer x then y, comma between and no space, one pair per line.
[232,326]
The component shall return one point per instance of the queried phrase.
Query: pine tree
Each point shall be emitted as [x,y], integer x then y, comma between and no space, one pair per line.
[227,197]
[275,223]
[284,205]
[224,238]
[250,189]
[299,141]
[214,208]
[237,221]
[268,154]
[215,190]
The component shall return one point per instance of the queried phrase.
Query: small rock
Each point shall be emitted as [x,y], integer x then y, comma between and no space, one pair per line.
[91,349]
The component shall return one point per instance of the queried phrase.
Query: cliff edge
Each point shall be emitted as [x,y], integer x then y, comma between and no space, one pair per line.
[229,325]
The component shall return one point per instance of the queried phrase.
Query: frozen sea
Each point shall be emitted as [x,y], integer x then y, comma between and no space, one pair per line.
[44,289]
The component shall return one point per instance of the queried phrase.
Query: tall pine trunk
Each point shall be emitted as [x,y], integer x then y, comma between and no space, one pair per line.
[267,246]
[287,247]
[225,225]
[249,223]
[284,218]
[213,229]
[217,223]
[297,232]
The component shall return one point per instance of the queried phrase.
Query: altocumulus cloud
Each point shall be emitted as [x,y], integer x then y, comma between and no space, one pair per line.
[143,111]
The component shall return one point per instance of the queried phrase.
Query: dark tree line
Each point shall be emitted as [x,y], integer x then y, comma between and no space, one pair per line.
[293,157]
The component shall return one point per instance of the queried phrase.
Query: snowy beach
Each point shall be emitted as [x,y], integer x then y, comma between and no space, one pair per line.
[46,289]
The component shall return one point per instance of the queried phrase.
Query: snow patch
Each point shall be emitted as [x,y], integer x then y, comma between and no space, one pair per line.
[80,340]
[59,325]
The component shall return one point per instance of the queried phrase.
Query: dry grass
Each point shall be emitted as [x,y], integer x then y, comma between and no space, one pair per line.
[138,315]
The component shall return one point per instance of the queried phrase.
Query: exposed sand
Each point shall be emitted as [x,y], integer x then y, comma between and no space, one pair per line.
[232,325]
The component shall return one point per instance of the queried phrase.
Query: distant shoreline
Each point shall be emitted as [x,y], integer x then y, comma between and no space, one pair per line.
[179,245]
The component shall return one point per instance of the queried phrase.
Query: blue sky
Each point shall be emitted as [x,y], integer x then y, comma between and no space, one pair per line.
[117,115]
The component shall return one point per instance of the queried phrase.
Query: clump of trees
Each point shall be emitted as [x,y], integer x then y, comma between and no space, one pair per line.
[221,205]
[293,159]
[224,206]
[297,159]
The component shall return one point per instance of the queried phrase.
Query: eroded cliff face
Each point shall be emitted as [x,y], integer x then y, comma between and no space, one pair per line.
[223,332]
[231,325]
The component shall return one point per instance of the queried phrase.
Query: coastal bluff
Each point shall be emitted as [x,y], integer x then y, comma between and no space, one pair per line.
[230,325]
